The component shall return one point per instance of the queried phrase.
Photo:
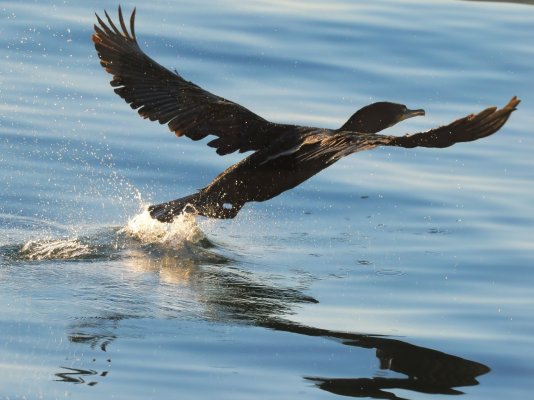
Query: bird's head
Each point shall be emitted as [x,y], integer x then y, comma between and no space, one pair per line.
[378,116]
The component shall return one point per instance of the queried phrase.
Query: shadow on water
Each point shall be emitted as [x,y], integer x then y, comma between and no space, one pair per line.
[234,296]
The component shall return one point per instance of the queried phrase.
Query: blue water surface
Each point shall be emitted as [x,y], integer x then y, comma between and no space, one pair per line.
[395,273]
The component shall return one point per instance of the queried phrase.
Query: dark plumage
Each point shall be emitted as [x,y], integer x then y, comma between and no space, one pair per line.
[284,155]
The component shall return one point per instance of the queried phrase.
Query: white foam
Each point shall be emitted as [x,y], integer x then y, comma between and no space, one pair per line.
[54,249]
[184,229]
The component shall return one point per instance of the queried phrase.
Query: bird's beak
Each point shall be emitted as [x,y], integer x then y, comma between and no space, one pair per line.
[413,113]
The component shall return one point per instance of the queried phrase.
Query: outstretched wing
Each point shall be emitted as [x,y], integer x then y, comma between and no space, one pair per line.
[331,148]
[467,129]
[161,95]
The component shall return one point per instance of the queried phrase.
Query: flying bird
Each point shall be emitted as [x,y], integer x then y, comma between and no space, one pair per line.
[283,155]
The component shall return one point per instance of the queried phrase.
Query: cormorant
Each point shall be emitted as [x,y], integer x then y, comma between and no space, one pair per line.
[284,155]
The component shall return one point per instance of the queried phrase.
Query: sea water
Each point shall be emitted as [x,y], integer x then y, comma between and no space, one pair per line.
[395,273]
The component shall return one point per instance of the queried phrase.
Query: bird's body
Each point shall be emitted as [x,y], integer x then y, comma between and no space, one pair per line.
[268,172]
[284,155]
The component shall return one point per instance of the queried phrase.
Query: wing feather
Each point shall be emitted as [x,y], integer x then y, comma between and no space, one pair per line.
[331,148]
[164,96]
[466,129]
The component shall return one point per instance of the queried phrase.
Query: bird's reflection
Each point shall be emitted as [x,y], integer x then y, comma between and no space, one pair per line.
[426,370]
[231,295]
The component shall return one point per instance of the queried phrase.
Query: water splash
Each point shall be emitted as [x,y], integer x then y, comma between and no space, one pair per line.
[54,249]
[182,231]
[184,234]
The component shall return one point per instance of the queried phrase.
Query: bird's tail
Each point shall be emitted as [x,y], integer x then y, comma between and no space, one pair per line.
[197,203]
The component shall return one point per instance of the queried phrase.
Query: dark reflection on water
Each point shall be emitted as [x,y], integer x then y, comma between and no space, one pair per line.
[427,371]
[77,375]
[235,297]
[96,332]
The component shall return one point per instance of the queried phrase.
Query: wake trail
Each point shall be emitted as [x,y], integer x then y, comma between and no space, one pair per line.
[183,234]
